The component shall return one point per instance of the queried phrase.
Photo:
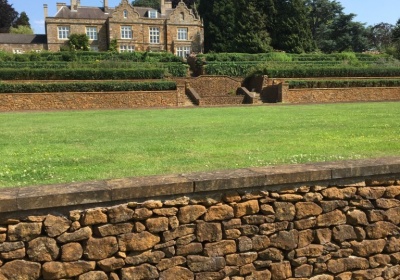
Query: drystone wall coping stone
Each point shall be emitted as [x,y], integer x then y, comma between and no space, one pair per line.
[273,177]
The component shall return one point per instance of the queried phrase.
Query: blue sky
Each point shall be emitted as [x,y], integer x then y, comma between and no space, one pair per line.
[368,11]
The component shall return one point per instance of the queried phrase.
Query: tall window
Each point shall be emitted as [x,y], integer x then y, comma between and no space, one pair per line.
[126,32]
[63,32]
[126,48]
[125,13]
[154,35]
[183,51]
[91,32]
[182,33]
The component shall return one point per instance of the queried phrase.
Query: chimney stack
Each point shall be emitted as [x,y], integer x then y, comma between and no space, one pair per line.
[46,10]
[105,5]
[74,5]
[60,5]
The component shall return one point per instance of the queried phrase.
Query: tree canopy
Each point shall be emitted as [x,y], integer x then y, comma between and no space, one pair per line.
[8,16]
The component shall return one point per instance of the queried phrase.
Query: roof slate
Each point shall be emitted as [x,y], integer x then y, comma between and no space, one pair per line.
[7,38]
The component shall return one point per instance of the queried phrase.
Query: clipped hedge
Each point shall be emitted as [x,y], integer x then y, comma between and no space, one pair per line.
[86,87]
[81,74]
[344,83]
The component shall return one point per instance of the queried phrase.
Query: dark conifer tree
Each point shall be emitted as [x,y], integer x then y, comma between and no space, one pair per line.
[7,16]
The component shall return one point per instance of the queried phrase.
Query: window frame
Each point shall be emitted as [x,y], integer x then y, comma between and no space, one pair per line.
[182,34]
[183,51]
[154,35]
[126,48]
[126,32]
[64,31]
[152,14]
[90,31]
[125,13]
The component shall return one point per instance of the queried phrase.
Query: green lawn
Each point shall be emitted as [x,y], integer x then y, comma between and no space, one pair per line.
[55,147]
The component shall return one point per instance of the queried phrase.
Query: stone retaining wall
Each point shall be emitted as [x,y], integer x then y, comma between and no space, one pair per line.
[90,100]
[314,221]
[329,95]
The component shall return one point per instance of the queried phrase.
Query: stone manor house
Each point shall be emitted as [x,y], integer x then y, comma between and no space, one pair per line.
[177,30]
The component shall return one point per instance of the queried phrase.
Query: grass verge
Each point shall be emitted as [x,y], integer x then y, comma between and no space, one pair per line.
[57,147]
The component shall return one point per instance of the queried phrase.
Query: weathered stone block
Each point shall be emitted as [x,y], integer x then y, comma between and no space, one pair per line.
[144,271]
[260,242]
[381,230]
[271,254]
[111,264]
[179,232]
[356,217]
[137,258]
[190,213]
[113,229]
[93,217]
[241,259]
[386,203]
[79,235]
[155,225]
[206,264]
[177,273]
[120,214]
[344,232]
[287,240]
[189,249]
[220,248]
[284,211]
[60,270]
[208,232]
[246,208]
[166,212]
[219,213]
[100,248]
[371,192]
[170,262]
[281,271]
[306,237]
[42,249]
[137,241]
[307,209]
[12,255]
[368,247]
[347,264]
[71,252]
[304,270]
[312,250]
[24,231]
[329,206]
[93,275]
[335,217]
[20,269]
[55,226]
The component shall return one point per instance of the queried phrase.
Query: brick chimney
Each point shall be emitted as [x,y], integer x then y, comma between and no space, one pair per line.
[45,10]
[60,5]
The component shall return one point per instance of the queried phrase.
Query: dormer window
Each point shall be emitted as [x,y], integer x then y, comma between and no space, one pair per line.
[153,14]
[125,14]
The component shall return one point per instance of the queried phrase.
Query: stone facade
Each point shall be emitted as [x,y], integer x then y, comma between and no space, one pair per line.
[132,28]
[317,221]
[22,43]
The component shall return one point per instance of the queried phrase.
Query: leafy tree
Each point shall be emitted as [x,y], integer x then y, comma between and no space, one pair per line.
[79,42]
[322,13]
[8,16]
[219,24]
[289,26]
[21,29]
[380,36]
[22,20]
[251,35]
[396,39]
[155,4]
[343,34]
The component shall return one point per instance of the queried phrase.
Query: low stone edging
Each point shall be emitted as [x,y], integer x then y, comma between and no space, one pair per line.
[336,220]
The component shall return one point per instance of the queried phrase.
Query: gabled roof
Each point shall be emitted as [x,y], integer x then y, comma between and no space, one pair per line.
[82,13]
[6,38]
[143,12]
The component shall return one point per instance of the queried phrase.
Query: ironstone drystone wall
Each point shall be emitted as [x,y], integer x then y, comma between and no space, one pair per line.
[323,221]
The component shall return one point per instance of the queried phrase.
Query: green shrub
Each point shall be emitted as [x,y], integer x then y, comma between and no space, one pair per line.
[81,74]
[86,87]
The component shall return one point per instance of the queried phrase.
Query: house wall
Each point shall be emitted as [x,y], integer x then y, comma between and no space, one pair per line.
[77,26]
[315,221]
[23,48]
